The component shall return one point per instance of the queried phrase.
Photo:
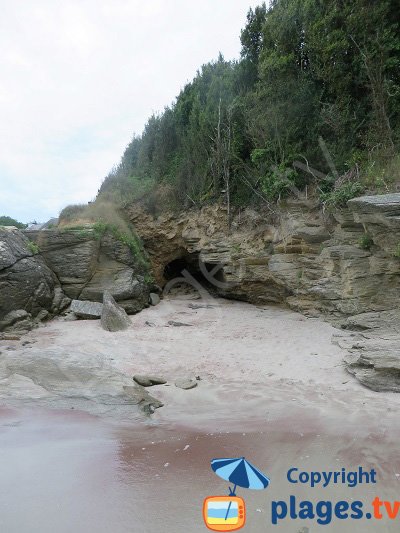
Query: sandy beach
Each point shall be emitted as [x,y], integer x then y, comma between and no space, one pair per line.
[272,387]
[200,266]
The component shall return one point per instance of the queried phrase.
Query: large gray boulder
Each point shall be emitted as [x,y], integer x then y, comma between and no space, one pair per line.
[71,255]
[113,317]
[87,265]
[27,285]
[130,292]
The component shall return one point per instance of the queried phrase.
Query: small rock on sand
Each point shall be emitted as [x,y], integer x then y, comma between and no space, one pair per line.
[200,306]
[186,383]
[154,299]
[143,399]
[148,381]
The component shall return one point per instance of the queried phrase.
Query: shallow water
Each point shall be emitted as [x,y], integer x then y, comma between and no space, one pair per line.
[64,471]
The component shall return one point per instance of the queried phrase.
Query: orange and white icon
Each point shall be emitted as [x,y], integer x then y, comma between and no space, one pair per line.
[224,513]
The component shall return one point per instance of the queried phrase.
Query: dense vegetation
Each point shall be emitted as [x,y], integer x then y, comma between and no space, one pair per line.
[312,105]
[8,221]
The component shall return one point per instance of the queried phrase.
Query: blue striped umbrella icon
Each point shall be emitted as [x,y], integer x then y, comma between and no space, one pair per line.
[241,473]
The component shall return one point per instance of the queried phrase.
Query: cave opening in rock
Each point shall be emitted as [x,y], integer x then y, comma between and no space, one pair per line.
[190,264]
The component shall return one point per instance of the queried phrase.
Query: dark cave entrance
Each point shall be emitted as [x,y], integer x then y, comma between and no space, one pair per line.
[188,266]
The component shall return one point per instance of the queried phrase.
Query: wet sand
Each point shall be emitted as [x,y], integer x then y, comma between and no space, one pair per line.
[273,389]
[63,472]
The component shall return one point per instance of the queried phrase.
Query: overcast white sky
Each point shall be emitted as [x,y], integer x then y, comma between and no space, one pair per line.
[79,77]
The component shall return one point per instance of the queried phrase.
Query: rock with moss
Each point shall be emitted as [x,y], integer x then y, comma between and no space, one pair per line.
[91,259]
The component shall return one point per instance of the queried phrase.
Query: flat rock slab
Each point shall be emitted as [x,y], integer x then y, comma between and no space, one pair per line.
[373,321]
[178,324]
[387,203]
[143,399]
[201,306]
[86,309]
[186,383]
[148,381]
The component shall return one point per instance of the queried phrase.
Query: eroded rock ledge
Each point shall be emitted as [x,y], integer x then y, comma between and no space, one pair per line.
[341,266]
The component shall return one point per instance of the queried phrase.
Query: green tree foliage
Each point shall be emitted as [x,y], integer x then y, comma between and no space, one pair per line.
[318,82]
[252,44]
[8,221]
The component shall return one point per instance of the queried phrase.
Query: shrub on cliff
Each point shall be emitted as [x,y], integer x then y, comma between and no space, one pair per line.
[72,213]
[339,197]
[103,217]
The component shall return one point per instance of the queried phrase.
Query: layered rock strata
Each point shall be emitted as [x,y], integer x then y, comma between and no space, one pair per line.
[343,265]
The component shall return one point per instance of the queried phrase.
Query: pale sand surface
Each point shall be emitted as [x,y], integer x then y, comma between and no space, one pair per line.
[273,388]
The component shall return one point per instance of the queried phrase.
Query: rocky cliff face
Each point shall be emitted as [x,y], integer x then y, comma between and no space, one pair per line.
[40,275]
[87,264]
[344,265]
[29,290]
[341,265]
